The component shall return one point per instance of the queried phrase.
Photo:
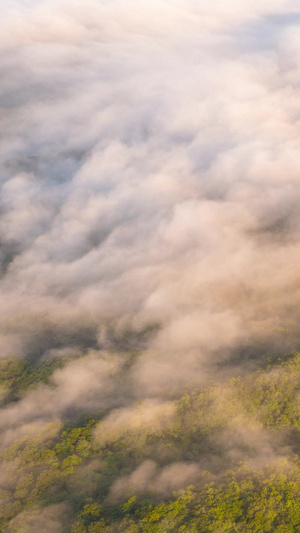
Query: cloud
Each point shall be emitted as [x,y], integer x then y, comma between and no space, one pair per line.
[150,175]
[82,385]
[136,482]
[38,430]
[144,418]
[246,440]
[33,520]
[148,478]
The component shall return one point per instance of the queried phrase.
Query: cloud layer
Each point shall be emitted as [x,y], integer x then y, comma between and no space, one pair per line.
[150,175]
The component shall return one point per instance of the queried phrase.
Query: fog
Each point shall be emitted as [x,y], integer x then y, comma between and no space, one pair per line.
[149,203]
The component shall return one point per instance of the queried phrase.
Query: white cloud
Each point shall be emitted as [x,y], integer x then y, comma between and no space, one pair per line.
[150,174]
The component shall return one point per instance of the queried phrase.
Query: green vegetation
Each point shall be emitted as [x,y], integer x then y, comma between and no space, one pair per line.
[223,458]
[19,375]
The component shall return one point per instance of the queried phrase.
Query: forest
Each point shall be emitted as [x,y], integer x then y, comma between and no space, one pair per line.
[224,457]
[149,266]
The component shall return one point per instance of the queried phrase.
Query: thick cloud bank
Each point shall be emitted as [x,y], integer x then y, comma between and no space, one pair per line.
[150,177]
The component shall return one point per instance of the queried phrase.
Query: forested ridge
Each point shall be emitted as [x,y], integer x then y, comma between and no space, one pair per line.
[223,458]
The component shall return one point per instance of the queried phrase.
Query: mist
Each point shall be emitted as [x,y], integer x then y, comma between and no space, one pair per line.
[149,217]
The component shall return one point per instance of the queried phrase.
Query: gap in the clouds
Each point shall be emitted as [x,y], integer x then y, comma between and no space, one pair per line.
[128,339]
[49,335]
[18,376]
[48,339]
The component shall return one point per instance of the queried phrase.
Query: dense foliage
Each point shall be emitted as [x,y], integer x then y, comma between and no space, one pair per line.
[223,458]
